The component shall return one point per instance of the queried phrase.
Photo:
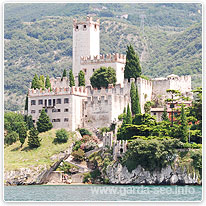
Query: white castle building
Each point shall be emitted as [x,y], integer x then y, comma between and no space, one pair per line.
[77,107]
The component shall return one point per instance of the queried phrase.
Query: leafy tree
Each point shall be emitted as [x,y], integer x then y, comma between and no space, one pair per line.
[102,77]
[35,82]
[164,115]
[26,103]
[43,123]
[147,106]
[33,139]
[71,79]
[133,97]
[22,131]
[129,115]
[61,136]
[137,103]
[81,78]
[84,131]
[29,121]
[11,137]
[64,74]
[78,155]
[132,67]
[48,83]
[42,81]
[184,126]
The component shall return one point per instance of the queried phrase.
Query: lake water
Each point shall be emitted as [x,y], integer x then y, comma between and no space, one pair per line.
[102,193]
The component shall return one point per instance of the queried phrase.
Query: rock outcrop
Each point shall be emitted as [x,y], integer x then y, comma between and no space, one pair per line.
[119,174]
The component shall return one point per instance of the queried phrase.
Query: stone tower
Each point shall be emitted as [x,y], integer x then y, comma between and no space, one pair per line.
[85,41]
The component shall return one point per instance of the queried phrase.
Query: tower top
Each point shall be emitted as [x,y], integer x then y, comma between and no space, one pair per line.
[89,21]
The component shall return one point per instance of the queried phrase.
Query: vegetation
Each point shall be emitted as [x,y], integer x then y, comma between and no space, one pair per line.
[81,78]
[71,79]
[64,74]
[132,67]
[78,155]
[11,138]
[84,131]
[43,123]
[33,139]
[67,168]
[36,82]
[16,157]
[61,136]
[47,83]
[102,77]
[128,116]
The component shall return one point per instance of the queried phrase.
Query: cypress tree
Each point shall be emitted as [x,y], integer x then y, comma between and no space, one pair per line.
[132,97]
[26,103]
[43,123]
[71,79]
[42,81]
[183,126]
[125,110]
[164,115]
[35,82]
[64,74]
[137,104]
[129,115]
[33,139]
[81,78]
[48,83]
[22,131]
[132,67]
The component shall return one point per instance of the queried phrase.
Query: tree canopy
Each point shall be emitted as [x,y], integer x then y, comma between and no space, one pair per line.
[71,79]
[81,78]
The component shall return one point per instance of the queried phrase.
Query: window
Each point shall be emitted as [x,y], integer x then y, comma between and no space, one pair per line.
[40,111]
[154,113]
[53,110]
[33,121]
[45,103]
[58,110]
[85,71]
[95,26]
[66,110]
[33,102]
[33,111]
[49,102]
[57,120]
[66,100]
[93,69]
[77,27]
[66,119]
[85,26]
[46,110]
[58,101]
[54,102]
[40,101]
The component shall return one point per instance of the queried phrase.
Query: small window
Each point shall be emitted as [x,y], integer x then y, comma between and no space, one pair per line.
[58,101]
[93,69]
[154,113]
[85,26]
[40,101]
[58,110]
[50,102]
[95,26]
[53,110]
[40,111]
[33,111]
[66,100]
[77,27]
[58,120]
[33,102]
[33,121]
[46,110]
[66,110]
[66,119]
[85,71]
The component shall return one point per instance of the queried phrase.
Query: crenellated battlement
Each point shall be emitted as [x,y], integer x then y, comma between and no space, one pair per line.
[80,91]
[78,25]
[108,58]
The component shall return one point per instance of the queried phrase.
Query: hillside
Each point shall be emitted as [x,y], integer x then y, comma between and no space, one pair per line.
[38,39]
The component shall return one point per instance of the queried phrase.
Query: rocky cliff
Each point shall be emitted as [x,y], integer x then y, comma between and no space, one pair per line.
[118,174]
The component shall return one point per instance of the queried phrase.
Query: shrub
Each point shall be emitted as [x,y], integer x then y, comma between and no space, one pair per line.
[78,155]
[77,145]
[11,137]
[61,136]
[84,131]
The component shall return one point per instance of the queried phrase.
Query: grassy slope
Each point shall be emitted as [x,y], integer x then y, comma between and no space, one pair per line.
[16,157]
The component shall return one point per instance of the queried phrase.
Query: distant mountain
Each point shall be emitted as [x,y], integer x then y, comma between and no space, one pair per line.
[38,39]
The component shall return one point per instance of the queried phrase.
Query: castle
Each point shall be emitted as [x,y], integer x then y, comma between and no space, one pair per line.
[77,107]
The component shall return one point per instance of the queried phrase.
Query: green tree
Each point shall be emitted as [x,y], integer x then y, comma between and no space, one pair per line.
[61,136]
[35,82]
[133,97]
[102,77]
[33,139]
[147,106]
[22,131]
[164,115]
[26,103]
[132,67]
[64,74]
[81,78]
[11,137]
[42,81]
[137,104]
[29,121]
[43,123]
[184,125]
[129,115]
[71,79]
[48,83]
